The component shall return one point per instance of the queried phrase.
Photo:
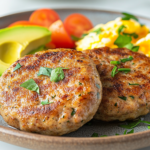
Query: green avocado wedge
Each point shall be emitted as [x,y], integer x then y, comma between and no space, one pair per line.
[16,42]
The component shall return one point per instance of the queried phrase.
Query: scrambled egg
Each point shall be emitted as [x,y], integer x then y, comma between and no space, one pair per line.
[109,34]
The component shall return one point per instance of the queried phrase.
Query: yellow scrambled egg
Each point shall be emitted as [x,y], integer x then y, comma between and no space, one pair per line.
[109,34]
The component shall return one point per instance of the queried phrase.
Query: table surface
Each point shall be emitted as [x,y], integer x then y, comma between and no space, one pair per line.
[139,7]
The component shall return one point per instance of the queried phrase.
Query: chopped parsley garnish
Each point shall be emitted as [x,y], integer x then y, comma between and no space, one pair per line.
[97,85]
[79,95]
[53,96]
[148,127]
[115,104]
[125,70]
[127,16]
[73,112]
[133,84]
[131,125]
[74,38]
[113,72]
[57,74]
[125,132]
[80,83]
[135,48]
[94,135]
[44,71]
[132,97]
[132,34]
[31,85]
[115,62]
[83,35]
[132,131]
[120,29]
[17,67]
[123,98]
[97,31]
[126,59]
[46,102]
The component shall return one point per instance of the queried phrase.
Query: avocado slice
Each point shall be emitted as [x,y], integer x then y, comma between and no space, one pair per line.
[16,42]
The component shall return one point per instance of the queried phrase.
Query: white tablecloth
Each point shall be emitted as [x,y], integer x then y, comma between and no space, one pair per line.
[139,7]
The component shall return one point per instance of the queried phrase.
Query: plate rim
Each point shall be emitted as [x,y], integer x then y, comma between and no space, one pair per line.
[73,140]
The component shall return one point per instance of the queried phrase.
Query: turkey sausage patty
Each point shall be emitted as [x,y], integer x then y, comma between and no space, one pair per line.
[127,94]
[56,108]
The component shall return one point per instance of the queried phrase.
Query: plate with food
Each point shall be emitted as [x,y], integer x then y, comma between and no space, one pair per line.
[75,78]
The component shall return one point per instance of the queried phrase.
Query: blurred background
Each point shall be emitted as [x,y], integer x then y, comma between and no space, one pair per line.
[138,7]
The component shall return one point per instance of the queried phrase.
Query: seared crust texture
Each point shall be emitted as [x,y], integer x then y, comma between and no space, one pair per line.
[137,101]
[75,99]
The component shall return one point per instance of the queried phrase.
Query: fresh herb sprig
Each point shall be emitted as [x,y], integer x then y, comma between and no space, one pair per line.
[17,67]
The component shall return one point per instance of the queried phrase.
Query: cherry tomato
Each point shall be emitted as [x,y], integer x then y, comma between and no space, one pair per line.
[76,24]
[23,23]
[59,37]
[44,16]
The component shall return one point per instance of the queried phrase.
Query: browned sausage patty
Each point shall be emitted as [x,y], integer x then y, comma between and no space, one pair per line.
[73,100]
[121,100]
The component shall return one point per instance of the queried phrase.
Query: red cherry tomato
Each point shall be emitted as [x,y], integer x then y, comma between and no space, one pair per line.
[59,37]
[76,24]
[44,17]
[23,23]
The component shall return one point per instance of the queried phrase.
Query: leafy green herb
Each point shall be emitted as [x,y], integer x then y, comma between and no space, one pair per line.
[126,59]
[115,62]
[83,35]
[123,98]
[53,96]
[115,104]
[57,74]
[94,135]
[46,102]
[132,131]
[97,85]
[132,97]
[133,84]
[117,134]
[131,125]
[17,67]
[44,71]
[113,72]
[97,31]
[73,112]
[79,95]
[103,136]
[129,46]
[132,34]
[125,132]
[120,29]
[135,48]
[80,83]
[125,70]
[128,16]
[122,40]
[74,38]
[31,85]
[148,127]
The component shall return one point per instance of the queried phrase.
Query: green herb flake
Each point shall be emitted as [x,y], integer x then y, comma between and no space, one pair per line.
[113,72]
[129,46]
[94,135]
[46,102]
[132,97]
[135,48]
[103,136]
[57,74]
[80,83]
[79,95]
[44,71]
[97,85]
[97,31]
[133,124]
[123,98]
[53,96]
[125,132]
[115,104]
[17,67]
[127,16]
[117,134]
[132,34]
[126,59]
[83,35]
[148,127]
[125,70]
[31,85]
[122,40]
[73,112]
[132,131]
[115,62]
[133,84]
[120,29]
[74,38]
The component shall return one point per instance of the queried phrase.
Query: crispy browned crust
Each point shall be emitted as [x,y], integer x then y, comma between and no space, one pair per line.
[22,108]
[112,107]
